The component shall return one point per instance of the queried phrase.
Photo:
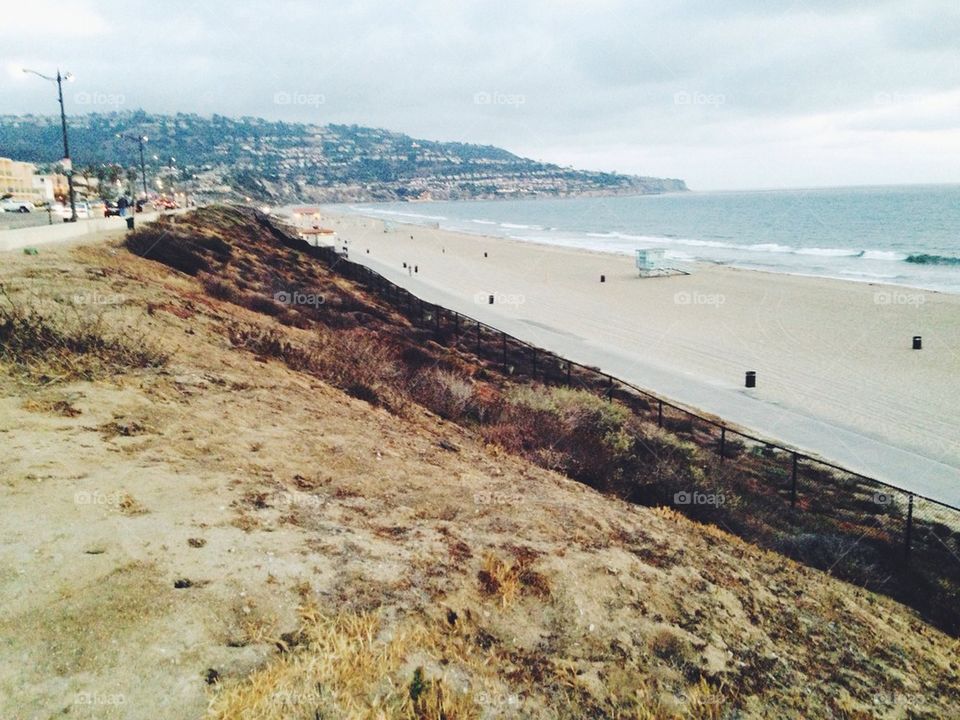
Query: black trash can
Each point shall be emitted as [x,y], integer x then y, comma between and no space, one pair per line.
[917,342]
[130,223]
[751,380]
[603,278]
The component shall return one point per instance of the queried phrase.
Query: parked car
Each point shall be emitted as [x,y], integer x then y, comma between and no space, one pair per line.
[22,206]
[63,210]
[111,210]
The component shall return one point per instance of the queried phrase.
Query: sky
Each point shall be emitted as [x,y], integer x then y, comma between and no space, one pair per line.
[731,94]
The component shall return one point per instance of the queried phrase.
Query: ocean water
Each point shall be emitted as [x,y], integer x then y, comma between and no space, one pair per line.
[906,235]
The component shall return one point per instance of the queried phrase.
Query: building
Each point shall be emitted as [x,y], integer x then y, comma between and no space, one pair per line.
[19,180]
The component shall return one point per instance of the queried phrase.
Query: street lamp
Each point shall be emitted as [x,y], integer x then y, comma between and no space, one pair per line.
[141,139]
[68,166]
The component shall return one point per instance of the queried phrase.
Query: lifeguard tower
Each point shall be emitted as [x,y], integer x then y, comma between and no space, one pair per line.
[650,262]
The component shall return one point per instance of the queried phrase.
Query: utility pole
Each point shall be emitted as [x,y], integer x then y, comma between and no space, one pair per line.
[68,164]
[143,169]
[141,139]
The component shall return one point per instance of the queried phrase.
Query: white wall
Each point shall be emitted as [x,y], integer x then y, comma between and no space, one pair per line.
[39,235]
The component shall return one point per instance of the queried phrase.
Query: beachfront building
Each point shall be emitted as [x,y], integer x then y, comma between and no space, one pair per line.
[20,181]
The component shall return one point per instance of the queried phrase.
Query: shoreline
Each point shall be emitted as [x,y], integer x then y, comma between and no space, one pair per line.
[692,264]
[833,357]
[344,210]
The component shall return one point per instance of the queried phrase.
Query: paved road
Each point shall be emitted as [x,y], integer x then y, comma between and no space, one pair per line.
[842,446]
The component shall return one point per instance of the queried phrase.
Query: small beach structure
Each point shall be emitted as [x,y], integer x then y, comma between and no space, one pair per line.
[650,263]
[305,215]
[649,260]
[318,236]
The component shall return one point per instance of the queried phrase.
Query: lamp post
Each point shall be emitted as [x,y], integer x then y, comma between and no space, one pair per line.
[141,139]
[68,165]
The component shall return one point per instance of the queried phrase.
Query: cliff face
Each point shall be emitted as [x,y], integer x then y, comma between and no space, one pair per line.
[226,158]
[188,489]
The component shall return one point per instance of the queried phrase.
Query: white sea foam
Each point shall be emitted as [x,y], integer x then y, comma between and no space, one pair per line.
[520,226]
[828,252]
[870,276]
[398,213]
[769,247]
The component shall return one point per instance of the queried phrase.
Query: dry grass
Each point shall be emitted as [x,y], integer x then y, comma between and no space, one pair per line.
[357,361]
[367,346]
[499,579]
[449,394]
[58,345]
[345,666]
[359,666]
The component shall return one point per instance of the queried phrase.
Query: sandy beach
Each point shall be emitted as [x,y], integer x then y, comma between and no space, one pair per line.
[834,351]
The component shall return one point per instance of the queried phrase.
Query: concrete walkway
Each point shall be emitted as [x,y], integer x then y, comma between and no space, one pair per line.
[39,235]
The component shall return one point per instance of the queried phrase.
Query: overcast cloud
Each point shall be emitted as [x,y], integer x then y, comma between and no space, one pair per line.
[733,94]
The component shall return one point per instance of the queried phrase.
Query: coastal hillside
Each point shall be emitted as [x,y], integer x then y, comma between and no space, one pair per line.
[226,158]
[240,485]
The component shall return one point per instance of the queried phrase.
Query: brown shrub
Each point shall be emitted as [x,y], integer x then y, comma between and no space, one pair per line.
[57,345]
[448,394]
[181,251]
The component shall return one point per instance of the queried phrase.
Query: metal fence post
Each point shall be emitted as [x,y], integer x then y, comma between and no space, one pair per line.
[456,324]
[909,529]
[659,413]
[437,309]
[568,373]
[793,483]
[723,443]
[609,388]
